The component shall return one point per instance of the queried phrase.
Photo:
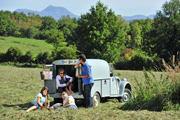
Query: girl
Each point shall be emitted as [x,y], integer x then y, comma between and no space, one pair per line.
[39,100]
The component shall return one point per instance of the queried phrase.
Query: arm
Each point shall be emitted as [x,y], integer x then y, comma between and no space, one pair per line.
[76,66]
[71,78]
[58,83]
[83,76]
[45,104]
[38,101]
[87,72]
[67,103]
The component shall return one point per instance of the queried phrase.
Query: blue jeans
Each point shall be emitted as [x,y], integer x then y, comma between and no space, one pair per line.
[87,95]
[72,106]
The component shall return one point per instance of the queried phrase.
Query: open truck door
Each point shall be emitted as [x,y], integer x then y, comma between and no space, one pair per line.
[49,77]
[80,88]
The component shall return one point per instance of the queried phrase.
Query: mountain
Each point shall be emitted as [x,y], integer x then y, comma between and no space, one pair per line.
[58,12]
[53,11]
[131,18]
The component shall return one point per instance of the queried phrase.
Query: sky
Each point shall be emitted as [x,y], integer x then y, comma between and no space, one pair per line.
[78,7]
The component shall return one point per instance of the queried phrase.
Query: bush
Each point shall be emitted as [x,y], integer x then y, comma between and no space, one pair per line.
[136,63]
[135,60]
[66,53]
[156,94]
[26,58]
[13,54]
[43,58]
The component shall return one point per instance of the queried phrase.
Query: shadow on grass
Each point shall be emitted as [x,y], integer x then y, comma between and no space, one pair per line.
[19,106]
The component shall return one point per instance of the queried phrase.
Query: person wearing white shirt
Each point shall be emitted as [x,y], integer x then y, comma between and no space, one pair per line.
[63,81]
[68,101]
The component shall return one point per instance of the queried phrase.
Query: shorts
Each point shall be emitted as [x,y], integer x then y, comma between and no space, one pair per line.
[34,104]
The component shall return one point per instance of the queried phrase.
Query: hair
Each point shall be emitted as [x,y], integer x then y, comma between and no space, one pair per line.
[82,57]
[65,92]
[60,70]
[45,88]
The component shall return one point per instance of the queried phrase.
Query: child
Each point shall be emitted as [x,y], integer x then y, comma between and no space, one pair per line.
[39,100]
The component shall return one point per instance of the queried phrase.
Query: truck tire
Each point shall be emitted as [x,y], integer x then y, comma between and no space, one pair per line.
[126,95]
[96,99]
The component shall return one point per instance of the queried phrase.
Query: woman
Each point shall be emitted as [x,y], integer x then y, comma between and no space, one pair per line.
[39,100]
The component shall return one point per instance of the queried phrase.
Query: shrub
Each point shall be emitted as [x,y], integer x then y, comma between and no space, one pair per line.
[43,58]
[26,58]
[66,53]
[13,54]
[156,94]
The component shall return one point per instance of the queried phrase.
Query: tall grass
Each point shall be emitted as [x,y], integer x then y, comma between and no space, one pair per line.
[157,95]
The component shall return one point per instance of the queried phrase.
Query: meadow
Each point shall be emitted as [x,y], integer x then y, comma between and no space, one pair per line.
[19,87]
[25,44]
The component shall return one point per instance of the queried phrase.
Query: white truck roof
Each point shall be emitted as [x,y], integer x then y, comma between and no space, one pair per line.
[100,68]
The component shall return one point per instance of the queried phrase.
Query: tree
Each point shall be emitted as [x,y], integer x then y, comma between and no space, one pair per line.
[56,37]
[68,26]
[3,23]
[100,34]
[30,32]
[135,35]
[48,23]
[68,52]
[166,30]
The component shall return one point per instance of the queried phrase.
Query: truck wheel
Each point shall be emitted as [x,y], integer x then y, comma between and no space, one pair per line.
[126,95]
[96,99]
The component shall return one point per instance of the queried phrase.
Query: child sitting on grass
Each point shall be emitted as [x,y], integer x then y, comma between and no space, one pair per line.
[39,100]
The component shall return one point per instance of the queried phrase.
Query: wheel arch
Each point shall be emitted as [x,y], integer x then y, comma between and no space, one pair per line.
[124,85]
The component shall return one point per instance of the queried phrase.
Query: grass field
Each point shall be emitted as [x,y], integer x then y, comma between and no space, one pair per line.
[25,44]
[19,87]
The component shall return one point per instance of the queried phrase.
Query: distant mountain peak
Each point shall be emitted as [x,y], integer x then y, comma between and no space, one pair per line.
[53,11]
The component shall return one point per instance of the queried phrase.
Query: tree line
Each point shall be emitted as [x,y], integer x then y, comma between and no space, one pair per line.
[101,34]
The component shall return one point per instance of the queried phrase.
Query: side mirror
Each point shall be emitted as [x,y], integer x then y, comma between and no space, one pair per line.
[111,74]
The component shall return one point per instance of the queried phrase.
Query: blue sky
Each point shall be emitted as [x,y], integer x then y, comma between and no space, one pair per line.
[78,7]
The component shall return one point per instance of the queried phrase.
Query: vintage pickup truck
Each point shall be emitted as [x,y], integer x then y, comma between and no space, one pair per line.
[106,84]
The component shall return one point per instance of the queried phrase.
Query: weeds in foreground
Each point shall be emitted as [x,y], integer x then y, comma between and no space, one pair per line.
[157,95]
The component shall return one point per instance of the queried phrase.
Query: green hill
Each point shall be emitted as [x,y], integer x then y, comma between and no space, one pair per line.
[25,44]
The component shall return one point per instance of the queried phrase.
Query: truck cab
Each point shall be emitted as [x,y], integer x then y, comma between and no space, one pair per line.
[106,84]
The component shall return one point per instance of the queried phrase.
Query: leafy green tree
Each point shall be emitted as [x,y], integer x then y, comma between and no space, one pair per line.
[135,35]
[68,26]
[56,37]
[48,23]
[68,52]
[100,34]
[3,23]
[166,30]
[30,32]
[12,29]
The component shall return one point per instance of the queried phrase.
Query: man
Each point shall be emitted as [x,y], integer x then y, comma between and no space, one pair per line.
[68,102]
[63,81]
[87,80]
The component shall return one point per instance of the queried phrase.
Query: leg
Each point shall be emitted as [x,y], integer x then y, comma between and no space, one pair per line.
[87,95]
[70,89]
[31,108]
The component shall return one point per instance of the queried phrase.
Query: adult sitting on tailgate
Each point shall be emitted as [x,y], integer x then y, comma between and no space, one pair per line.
[63,82]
